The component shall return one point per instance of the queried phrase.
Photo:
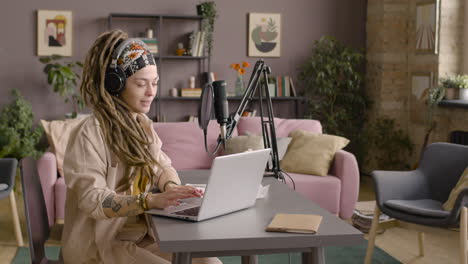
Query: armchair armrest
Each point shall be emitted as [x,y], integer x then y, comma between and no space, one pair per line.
[399,185]
[47,170]
[8,169]
[345,168]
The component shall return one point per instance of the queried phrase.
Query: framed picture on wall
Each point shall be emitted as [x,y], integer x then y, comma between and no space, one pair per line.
[427,27]
[54,32]
[264,36]
[420,84]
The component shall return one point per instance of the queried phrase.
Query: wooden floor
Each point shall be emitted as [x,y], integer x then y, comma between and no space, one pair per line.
[441,245]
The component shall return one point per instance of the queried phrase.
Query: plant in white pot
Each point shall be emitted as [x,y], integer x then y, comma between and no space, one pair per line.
[463,86]
[456,87]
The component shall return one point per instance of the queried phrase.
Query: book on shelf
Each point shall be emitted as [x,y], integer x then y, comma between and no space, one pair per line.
[194,39]
[201,44]
[279,86]
[295,223]
[190,92]
[197,43]
[284,87]
[293,89]
[152,44]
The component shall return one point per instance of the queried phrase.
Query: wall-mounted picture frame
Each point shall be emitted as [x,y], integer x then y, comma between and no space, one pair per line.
[420,84]
[264,36]
[54,32]
[427,26]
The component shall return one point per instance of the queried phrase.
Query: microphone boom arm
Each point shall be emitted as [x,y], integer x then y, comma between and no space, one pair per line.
[268,126]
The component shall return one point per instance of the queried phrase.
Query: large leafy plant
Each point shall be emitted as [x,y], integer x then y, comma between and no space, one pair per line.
[63,79]
[388,146]
[333,88]
[18,136]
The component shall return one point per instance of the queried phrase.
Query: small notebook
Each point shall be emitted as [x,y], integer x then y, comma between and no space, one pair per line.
[295,223]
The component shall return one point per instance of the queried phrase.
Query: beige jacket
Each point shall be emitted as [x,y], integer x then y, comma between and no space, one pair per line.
[92,173]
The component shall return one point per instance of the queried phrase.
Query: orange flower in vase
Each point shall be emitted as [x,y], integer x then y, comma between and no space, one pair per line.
[240,69]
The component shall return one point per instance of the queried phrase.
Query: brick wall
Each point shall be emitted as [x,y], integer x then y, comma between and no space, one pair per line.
[392,60]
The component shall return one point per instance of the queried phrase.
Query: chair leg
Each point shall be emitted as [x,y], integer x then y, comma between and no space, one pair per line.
[463,235]
[421,243]
[16,222]
[372,234]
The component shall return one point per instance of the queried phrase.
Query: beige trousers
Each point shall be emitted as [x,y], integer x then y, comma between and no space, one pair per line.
[148,252]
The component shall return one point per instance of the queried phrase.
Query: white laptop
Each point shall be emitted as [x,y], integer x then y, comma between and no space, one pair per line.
[232,186]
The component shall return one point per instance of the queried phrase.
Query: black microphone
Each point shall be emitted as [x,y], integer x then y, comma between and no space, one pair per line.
[221,106]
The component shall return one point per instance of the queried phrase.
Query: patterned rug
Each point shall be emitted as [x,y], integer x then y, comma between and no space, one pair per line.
[333,255]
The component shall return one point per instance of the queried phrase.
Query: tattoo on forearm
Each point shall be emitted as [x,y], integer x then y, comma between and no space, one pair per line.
[108,201]
[121,206]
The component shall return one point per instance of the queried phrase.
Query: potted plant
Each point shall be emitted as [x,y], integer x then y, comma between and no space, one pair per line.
[333,88]
[455,86]
[208,11]
[463,86]
[63,79]
[18,136]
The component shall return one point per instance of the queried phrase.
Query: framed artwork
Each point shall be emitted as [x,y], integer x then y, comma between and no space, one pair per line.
[54,32]
[264,36]
[427,27]
[420,84]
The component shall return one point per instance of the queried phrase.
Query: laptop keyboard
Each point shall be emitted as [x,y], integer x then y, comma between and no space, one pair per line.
[191,211]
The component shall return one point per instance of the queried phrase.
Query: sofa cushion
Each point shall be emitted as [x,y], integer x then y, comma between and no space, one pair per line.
[58,133]
[459,187]
[323,190]
[282,126]
[311,153]
[183,142]
[243,143]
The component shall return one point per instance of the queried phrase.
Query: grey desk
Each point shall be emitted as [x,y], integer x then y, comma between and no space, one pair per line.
[242,233]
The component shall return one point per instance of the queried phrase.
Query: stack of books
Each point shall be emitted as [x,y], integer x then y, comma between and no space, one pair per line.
[152,44]
[285,86]
[197,43]
[362,220]
[190,92]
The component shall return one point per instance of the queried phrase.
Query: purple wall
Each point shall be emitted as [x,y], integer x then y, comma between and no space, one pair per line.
[303,21]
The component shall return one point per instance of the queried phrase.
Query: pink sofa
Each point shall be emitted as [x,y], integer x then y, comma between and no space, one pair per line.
[183,143]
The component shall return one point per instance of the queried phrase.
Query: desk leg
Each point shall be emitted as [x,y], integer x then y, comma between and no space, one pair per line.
[316,256]
[249,259]
[181,258]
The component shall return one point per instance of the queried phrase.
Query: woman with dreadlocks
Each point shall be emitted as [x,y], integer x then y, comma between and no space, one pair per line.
[114,159]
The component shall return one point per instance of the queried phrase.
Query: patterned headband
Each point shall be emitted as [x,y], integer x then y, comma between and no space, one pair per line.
[133,55]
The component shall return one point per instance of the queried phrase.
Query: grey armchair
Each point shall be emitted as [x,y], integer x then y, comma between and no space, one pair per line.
[417,196]
[36,213]
[7,182]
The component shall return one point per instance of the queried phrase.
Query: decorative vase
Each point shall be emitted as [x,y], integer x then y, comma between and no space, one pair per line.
[451,93]
[239,85]
[463,94]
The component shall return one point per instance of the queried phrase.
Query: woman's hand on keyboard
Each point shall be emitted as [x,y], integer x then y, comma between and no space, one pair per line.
[171,197]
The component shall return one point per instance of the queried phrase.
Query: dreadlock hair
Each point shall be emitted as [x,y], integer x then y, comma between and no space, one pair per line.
[122,132]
